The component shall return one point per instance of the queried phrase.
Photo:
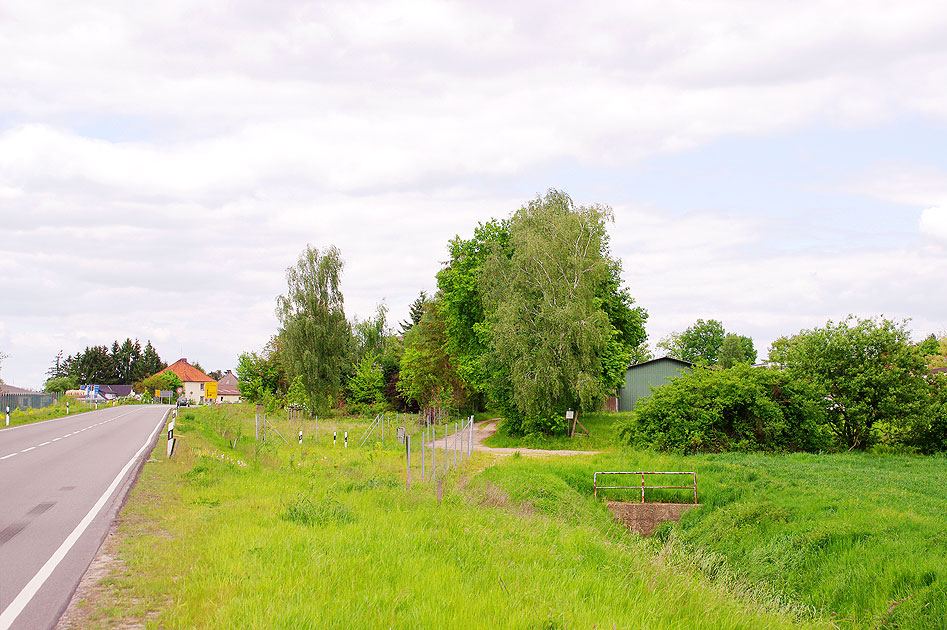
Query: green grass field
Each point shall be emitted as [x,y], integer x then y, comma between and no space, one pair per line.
[316,536]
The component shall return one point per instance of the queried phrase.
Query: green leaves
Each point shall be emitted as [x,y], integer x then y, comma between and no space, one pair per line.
[547,296]
[314,332]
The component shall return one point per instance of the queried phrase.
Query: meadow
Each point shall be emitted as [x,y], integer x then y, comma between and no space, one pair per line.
[234,533]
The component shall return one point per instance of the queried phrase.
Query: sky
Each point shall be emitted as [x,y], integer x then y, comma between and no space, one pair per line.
[772,165]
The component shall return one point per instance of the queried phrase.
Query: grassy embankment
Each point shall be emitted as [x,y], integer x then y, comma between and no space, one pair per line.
[56,410]
[859,539]
[312,536]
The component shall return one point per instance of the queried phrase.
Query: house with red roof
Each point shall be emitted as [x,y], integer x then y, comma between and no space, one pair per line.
[195,382]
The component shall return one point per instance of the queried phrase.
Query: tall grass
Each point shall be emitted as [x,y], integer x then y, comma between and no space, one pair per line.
[316,536]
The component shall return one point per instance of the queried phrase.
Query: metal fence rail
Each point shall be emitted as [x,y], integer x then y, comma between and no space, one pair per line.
[643,487]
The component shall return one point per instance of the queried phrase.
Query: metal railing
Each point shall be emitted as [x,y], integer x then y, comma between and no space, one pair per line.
[643,487]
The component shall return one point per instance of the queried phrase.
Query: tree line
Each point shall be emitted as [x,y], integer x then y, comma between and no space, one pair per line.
[530,318]
[124,363]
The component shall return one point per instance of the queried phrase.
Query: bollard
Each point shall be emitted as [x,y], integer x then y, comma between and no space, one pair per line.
[333,438]
[346,439]
[67,407]
[8,415]
[300,436]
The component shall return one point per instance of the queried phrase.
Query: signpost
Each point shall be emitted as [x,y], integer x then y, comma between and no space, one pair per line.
[210,391]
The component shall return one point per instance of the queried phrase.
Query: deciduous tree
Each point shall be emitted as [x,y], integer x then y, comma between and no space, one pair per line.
[864,371]
[551,296]
[315,333]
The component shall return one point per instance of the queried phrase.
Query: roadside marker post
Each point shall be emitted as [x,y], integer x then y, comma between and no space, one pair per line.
[346,439]
[300,436]
[8,415]
[333,439]
[67,407]
[407,443]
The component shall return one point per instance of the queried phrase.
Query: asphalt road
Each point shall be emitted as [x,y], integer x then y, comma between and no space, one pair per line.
[62,483]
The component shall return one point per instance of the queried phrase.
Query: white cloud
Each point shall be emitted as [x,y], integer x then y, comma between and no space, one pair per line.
[162,164]
[934,222]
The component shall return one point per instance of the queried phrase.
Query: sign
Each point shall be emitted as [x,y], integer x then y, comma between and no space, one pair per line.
[164,393]
[210,390]
[180,390]
[157,393]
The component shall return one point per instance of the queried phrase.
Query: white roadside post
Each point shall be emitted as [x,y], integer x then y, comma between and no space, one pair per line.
[67,407]
[300,436]
[8,415]
[346,439]
[333,439]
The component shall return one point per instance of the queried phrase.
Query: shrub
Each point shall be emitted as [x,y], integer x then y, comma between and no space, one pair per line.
[742,408]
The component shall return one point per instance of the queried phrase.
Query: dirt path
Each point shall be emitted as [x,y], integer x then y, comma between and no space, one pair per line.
[485,428]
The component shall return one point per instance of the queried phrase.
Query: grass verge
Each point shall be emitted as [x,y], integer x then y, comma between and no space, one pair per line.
[233,533]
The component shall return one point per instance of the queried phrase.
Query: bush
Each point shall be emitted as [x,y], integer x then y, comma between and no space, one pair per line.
[739,409]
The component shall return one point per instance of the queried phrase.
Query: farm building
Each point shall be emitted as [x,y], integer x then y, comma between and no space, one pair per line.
[641,377]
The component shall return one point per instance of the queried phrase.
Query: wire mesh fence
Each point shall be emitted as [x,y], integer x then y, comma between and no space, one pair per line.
[26,401]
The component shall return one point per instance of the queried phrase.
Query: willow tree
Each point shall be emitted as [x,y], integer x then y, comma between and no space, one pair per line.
[315,334]
[552,296]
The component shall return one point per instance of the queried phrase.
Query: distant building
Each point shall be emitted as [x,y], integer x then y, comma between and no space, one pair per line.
[641,377]
[194,381]
[228,389]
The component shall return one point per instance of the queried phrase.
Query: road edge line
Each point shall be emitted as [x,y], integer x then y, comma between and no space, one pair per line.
[13,610]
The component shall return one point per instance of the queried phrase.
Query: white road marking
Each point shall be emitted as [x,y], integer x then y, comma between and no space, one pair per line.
[8,616]
[92,426]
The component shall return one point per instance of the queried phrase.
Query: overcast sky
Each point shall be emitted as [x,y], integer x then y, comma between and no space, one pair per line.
[771,165]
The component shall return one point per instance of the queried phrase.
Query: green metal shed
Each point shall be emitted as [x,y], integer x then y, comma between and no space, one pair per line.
[641,377]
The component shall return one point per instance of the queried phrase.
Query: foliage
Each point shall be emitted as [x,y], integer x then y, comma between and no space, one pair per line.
[429,376]
[315,334]
[700,343]
[743,408]
[864,371]
[929,431]
[366,387]
[262,375]
[60,384]
[551,298]
[124,363]
[296,396]
[461,300]
[736,349]
[415,312]
[164,381]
